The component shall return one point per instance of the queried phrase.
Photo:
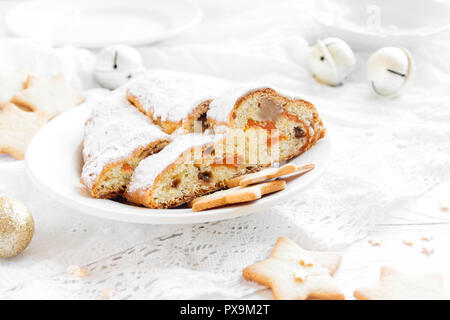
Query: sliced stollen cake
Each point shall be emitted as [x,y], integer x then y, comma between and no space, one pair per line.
[128,149]
[174,100]
[290,125]
[192,165]
[117,137]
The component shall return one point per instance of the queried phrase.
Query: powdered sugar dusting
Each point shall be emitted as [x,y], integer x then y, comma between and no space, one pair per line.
[147,171]
[222,105]
[113,133]
[172,96]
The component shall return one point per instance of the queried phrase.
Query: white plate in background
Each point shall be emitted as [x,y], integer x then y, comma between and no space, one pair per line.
[54,163]
[95,24]
[376,23]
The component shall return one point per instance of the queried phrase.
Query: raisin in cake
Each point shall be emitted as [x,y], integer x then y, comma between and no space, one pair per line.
[191,166]
[117,138]
[174,100]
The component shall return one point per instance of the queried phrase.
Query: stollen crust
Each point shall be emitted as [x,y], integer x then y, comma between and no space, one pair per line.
[17,128]
[236,195]
[396,285]
[52,97]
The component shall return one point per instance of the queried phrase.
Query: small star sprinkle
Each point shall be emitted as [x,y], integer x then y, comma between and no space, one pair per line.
[408,242]
[307,261]
[301,275]
[426,237]
[375,242]
[427,250]
[395,285]
[77,271]
[108,293]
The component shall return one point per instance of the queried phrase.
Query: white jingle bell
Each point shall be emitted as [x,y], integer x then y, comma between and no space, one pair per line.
[117,65]
[388,70]
[331,61]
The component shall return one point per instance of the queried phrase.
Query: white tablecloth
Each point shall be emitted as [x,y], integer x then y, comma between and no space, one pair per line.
[387,153]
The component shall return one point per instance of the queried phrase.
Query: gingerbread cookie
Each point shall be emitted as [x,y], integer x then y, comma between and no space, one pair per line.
[268,174]
[236,195]
[17,127]
[395,285]
[51,97]
[10,84]
[297,274]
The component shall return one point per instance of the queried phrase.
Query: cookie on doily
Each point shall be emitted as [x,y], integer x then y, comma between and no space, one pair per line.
[10,84]
[395,285]
[51,97]
[31,108]
[297,274]
[17,128]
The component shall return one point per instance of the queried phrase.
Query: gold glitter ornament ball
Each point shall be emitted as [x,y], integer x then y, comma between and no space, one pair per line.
[16,227]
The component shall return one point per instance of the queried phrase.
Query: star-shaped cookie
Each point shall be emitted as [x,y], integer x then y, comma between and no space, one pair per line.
[297,274]
[395,285]
[10,84]
[51,97]
[17,128]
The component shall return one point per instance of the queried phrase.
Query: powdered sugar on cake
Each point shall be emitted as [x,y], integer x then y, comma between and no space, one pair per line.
[222,105]
[113,133]
[172,96]
[146,172]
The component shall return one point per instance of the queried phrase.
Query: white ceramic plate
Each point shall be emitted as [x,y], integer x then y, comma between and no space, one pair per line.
[54,164]
[95,24]
[377,23]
